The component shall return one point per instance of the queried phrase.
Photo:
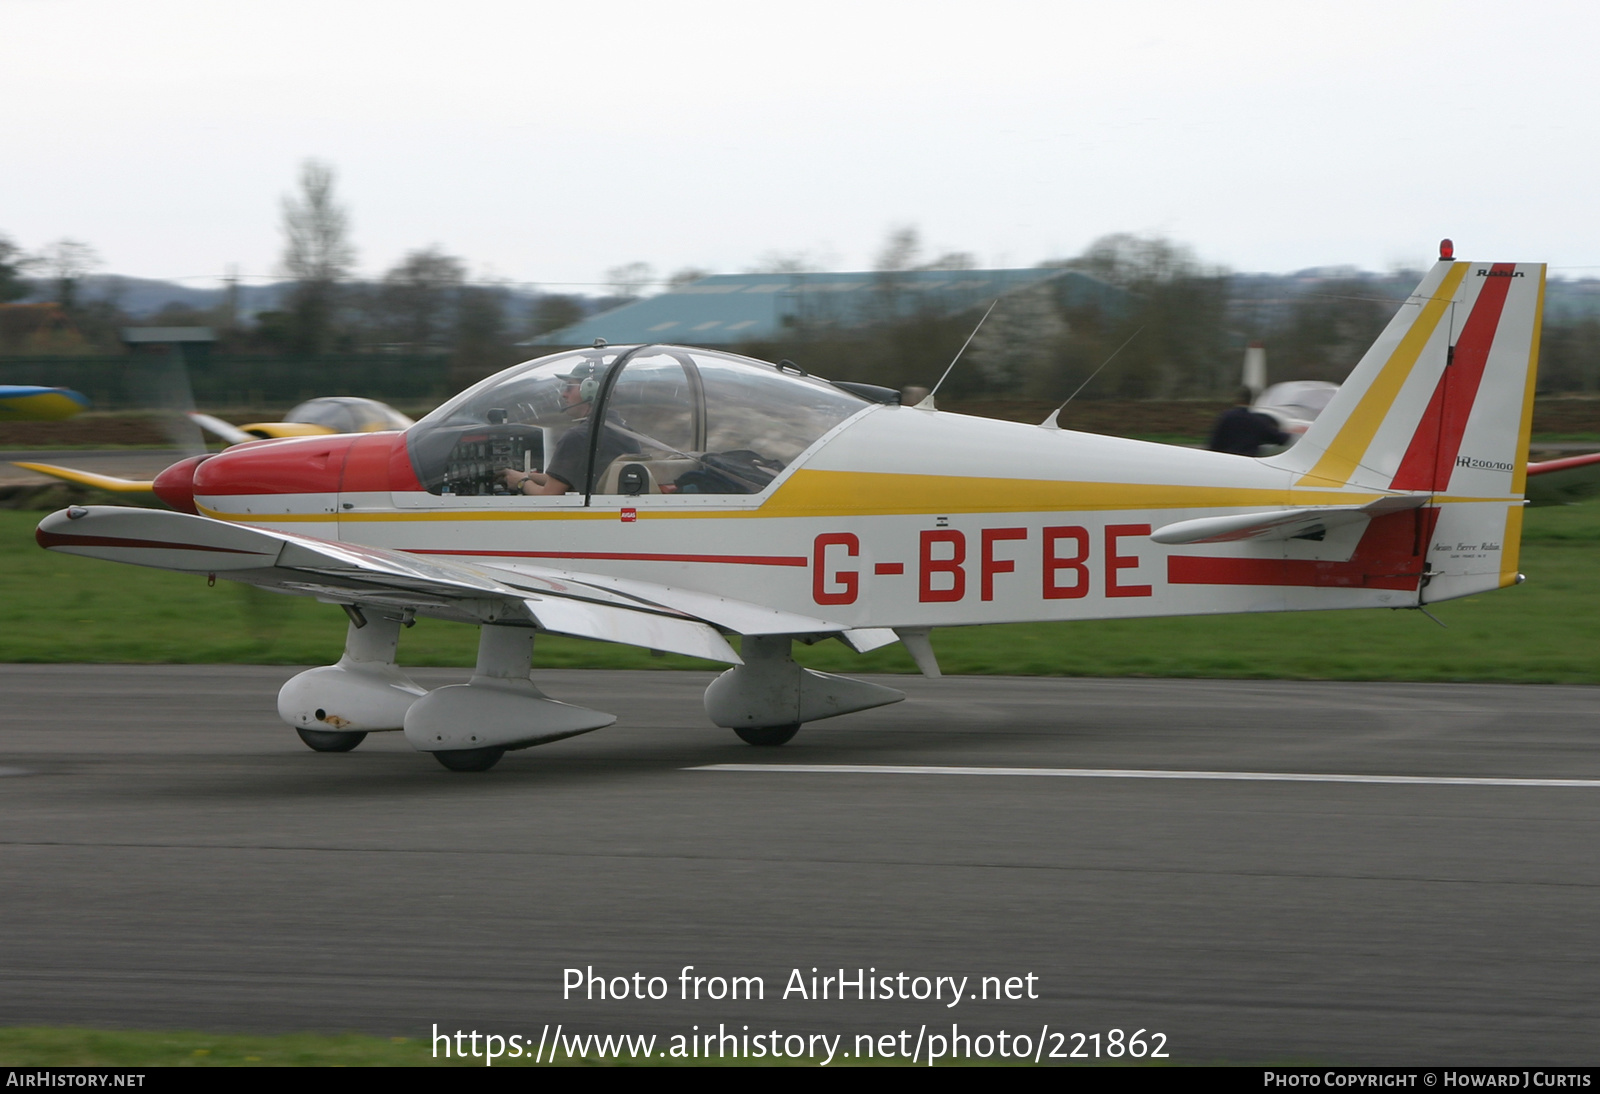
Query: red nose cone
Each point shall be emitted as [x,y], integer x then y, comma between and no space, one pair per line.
[298,465]
[175,485]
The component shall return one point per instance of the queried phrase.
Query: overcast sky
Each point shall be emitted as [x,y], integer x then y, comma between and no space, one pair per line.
[547,142]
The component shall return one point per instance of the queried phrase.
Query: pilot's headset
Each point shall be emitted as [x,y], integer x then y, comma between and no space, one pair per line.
[587,375]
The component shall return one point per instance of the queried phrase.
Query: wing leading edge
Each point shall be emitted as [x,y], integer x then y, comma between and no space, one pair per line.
[346,573]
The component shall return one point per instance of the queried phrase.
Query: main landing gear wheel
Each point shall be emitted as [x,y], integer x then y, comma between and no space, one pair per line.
[767,736]
[470,759]
[331,740]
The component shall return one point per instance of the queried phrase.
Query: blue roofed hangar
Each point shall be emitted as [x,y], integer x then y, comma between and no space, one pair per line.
[728,309]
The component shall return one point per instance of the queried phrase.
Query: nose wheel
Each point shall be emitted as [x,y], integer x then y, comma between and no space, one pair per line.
[767,736]
[330,740]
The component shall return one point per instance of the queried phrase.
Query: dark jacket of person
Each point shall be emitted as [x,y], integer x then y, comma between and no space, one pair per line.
[571,456]
[1242,432]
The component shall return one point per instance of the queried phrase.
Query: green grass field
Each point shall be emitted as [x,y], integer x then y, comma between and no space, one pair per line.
[60,609]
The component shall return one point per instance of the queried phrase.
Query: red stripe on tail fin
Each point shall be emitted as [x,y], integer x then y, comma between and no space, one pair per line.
[1432,453]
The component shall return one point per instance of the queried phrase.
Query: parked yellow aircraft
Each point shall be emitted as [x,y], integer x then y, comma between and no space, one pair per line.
[319,417]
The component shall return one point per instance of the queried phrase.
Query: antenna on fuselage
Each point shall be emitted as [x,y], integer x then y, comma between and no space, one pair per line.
[1050,422]
[927,400]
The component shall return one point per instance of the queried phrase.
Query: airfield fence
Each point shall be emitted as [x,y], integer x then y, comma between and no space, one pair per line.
[125,381]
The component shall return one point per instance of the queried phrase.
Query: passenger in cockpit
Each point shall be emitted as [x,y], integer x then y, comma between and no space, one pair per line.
[566,467]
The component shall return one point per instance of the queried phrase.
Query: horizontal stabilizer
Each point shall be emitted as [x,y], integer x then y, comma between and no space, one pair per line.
[1564,481]
[1284,524]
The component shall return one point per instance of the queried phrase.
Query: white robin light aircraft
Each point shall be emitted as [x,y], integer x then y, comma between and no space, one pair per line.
[668,497]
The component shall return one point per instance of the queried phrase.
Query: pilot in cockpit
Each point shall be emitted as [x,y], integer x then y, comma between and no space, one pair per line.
[565,469]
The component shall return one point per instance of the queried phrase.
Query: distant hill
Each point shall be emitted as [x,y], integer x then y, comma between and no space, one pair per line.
[141,297]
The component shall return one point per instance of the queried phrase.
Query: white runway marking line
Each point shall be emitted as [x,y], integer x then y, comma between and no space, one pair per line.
[1130,773]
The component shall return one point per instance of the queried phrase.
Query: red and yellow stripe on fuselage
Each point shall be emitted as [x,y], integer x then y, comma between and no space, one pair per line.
[961,520]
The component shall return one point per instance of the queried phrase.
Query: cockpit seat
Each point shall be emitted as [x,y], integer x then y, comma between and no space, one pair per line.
[638,474]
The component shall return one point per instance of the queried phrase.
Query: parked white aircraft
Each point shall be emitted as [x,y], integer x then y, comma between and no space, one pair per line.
[670,497]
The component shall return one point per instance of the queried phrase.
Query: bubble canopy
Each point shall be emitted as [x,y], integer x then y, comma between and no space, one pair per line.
[628,420]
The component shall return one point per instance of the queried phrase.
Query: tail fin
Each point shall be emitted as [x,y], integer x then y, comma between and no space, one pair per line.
[1443,400]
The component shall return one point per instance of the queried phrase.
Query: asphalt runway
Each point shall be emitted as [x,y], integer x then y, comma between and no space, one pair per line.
[174,858]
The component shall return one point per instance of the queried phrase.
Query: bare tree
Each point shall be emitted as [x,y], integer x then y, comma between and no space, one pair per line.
[953,260]
[900,250]
[316,229]
[630,280]
[420,295]
[553,311]
[13,264]
[480,334]
[66,262]
[785,262]
[686,276]
[1018,344]
[1138,262]
[317,254]
[1180,308]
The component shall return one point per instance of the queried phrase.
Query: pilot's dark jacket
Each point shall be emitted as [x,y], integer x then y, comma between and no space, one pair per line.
[572,451]
[1242,432]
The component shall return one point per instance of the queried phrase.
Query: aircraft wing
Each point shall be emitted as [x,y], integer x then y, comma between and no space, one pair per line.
[1562,482]
[345,573]
[1282,524]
